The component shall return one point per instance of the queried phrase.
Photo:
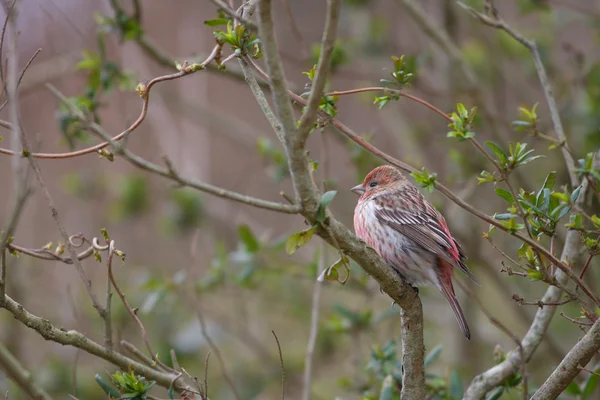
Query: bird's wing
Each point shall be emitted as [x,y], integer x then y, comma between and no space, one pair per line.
[408,212]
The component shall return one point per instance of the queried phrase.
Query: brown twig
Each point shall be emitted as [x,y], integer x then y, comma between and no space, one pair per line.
[170,172]
[504,329]
[133,313]
[539,303]
[281,365]
[586,265]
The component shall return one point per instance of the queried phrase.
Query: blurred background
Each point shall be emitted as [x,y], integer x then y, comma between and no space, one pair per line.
[190,255]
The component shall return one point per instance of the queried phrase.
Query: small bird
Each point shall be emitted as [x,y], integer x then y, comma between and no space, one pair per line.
[409,233]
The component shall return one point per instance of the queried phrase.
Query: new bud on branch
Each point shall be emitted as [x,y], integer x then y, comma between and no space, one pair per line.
[409,233]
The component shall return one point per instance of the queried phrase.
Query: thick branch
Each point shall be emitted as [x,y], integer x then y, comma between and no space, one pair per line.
[336,233]
[80,341]
[413,351]
[568,369]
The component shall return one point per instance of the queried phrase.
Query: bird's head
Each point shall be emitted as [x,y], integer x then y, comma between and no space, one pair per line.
[378,180]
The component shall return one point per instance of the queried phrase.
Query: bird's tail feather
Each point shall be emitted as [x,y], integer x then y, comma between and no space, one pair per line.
[448,292]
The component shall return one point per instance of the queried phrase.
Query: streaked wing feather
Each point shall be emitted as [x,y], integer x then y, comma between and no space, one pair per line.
[421,226]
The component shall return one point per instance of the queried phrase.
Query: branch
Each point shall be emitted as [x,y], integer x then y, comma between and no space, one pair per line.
[498,23]
[335,233]
[494,376]
[169,171]
[220,4]
[413,352]
[80,341]
[569,367]
[318,84]
[18,374]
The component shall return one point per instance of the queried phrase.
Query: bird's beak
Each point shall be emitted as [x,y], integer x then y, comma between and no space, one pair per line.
[358,189]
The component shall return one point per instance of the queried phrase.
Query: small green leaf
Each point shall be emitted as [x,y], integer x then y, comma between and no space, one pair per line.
[534,275]
[298,240]
[456,386]
[505,194]
[496,394]
[216,22]
[433,355]
[387,388]
[171,393]
[108,389]
[573,389]
[590,384]
[248,238]
[498,152]
[326,199]
[505,216]
[575,194]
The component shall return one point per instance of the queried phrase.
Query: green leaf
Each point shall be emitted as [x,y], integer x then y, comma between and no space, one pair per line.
[534,275]
[496,394]
[248,238]
[575,194]
[573,389]
[505,194]
[326,199]
[216,22]
[497,151]
[387,388]
[456,386]
[505,216]
[108,389]
[171,393]
[550,181]
[433,355]
[590,384]
[298,240]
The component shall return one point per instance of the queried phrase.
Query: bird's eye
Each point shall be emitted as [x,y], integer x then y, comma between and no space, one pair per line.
[373,184]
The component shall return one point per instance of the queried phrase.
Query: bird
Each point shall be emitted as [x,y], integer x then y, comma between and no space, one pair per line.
[393,217]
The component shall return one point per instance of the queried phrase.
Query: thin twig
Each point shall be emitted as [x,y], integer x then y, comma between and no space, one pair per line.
[303,47]
[137,353]
[281,365]
[133,313]
[586,265]
[539,303]
[217,352]
[170,172]
[318,84]
[498,23]
[504,329]
[80,341]
[108,342]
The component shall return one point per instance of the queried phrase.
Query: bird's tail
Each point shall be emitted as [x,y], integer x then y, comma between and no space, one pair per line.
[448,291]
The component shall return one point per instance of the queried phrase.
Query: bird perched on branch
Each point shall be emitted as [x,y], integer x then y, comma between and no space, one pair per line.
[409,233]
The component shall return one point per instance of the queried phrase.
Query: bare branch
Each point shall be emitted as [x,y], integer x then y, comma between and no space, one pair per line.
[19,375]
[494,376]
[498,23]
[80,341]
[569,367]
[169,172]
[314,324]
[281,365]
[413,351]
[220,4]
[318,84]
